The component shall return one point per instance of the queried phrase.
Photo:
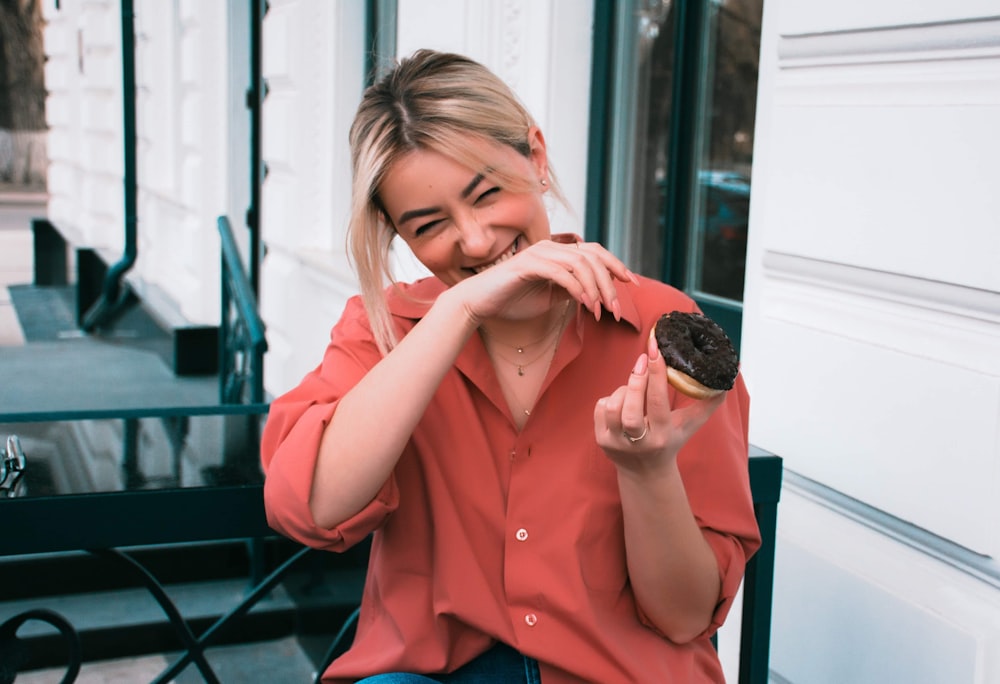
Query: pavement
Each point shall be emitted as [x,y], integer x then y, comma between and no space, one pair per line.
[231,664]
[17,209]
[127,364]
[273,660]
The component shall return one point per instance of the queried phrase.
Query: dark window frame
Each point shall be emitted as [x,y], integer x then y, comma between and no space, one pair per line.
[682,162]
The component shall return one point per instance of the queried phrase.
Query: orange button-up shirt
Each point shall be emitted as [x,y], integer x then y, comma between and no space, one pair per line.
[485,533]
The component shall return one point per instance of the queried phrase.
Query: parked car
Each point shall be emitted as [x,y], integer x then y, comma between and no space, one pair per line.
[724,203]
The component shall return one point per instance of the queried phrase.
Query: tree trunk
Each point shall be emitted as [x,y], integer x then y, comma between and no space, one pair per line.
[22,66]
[23,155]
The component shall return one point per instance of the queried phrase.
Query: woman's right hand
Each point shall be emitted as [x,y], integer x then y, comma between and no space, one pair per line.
[360,447]
[547,272]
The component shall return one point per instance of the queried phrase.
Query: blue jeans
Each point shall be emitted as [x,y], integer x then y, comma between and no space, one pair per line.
[499,665]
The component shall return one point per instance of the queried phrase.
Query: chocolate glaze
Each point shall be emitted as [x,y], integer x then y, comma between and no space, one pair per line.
[695,344]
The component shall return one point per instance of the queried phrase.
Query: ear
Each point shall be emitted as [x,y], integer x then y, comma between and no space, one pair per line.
[537,152]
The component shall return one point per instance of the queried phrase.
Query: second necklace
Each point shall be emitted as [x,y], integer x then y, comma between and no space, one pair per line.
[519,361]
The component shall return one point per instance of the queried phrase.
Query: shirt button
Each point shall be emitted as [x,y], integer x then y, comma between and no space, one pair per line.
[530,619]
[521,534]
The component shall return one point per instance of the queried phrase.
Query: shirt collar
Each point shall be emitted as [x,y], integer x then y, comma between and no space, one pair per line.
[414,300]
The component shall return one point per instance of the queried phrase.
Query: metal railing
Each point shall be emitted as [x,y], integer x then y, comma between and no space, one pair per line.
[242,340]
[104,521]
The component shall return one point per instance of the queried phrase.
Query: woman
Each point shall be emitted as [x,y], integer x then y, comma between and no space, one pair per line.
[544,506]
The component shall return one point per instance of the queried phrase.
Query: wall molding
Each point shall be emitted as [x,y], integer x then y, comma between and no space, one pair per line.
[946,322]
[939,41]
[980,567]
[900,288]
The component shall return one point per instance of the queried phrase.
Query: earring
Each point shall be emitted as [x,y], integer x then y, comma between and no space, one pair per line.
[544,183]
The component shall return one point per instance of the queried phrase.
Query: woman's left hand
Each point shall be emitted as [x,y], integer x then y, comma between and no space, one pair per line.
[672,568]
[637,427]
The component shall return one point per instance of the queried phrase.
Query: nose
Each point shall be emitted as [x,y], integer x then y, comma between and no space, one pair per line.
[475,239]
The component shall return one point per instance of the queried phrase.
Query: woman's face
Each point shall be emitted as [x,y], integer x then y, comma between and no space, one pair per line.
[457,220]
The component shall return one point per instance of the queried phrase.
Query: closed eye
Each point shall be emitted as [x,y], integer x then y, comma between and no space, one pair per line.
[487,194]
[425,227]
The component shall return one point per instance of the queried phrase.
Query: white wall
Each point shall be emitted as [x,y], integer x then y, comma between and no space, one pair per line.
[83,111]
[182,91]
[541,48]
[193,140]
[872,328]
[313,64]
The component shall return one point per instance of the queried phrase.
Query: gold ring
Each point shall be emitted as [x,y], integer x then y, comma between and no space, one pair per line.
[632,439]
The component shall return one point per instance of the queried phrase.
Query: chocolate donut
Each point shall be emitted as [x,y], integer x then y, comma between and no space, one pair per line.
[701,359]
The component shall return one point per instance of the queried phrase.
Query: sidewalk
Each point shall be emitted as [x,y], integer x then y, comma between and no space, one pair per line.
[128,365]
[17,209]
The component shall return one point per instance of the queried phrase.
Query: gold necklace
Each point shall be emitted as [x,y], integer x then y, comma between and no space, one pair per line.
[521,347]
[515,392]
[520,363]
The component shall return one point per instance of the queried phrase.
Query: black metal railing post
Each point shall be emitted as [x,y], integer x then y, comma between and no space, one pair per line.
[242,343]
[242,340]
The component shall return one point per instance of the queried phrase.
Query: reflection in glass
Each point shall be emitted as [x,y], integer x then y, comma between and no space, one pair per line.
[658,67]
[720,195]
[644,82]
[87,456]
[682,138]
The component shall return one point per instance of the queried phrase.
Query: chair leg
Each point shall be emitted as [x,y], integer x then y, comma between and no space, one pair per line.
[758,587]
[341,642]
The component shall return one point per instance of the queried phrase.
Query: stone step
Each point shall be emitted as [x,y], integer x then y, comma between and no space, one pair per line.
[279,660]
[130,624]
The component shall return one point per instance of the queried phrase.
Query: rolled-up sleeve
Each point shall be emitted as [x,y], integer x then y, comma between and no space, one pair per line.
[725,502]
[715,468]
[293,431]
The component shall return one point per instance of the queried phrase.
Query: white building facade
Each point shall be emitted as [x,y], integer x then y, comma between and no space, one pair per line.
[871,336]
[871,313]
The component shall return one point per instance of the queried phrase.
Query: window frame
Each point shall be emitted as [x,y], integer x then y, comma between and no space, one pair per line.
[611,156]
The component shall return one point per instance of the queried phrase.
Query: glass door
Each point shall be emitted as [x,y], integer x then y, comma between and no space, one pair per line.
[723,129]
[679,160]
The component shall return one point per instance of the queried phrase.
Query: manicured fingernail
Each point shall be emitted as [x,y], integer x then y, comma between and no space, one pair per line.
[632,277]
[616,309]
[640,364]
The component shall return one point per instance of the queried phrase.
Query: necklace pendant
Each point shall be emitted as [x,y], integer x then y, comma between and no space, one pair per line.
[527,412]
[520,350]
[520,370]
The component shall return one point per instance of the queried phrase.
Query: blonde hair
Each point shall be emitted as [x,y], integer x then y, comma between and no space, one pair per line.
[431,101]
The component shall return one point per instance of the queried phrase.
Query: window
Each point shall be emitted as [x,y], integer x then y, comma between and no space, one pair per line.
[380,48]
[680,77]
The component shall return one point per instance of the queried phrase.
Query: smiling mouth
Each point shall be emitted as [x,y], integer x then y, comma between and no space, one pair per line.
[502,258]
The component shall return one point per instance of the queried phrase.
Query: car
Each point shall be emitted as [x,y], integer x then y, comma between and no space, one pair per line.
[724,207]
